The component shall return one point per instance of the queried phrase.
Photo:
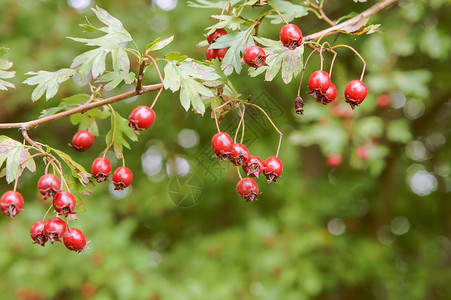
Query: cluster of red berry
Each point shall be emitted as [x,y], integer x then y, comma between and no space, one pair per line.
[224,147]
[216,53]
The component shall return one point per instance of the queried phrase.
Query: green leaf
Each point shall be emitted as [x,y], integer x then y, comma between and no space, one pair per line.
[371,127]
[289,11]
[78,171]
[235,44]
[65,104]
[115,78]
[4,74]
[120,130]
[211,4]
[48,82]
[175,56]
[159,44]
[399,131]
[226,21]
[87,120]
[3,51]
[14,153]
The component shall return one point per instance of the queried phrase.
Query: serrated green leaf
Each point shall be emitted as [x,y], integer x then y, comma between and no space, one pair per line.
[121,130]
[399,131]
[4,74]
[87,120]
[65,104]
[14,153]
[175,56]
[115,78]
[211,4]
[289,11]
[77,170]
[159,44]
[48,82]
[226,21]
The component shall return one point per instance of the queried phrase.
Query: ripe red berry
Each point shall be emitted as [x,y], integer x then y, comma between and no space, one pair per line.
[49,185]
[334,160]
[101,169]
[142,117]
[122,178]
[362,152]
[329,96]
[273,168]
[254,166]
[319,83]
[64,203]
[74,240]
[291,36]
[54,229]
[355,93]
[37,233]
[222,145]
[239,155]
[216,53]
[11,203]
[383,101]
[254,56]
[82,140]
[247,188]
[211,38]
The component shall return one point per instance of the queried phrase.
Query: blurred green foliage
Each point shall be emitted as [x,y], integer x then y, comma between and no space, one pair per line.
[374,228]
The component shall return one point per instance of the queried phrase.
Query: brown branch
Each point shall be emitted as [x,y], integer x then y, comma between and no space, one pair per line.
[353,21]
[321,12]
[82,108]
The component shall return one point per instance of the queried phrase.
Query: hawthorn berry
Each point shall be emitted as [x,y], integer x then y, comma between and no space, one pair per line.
[247,188]
[11,203]
[334,160]
[49,185]
[272,168]
[74,240]
[211,38]
[82,140]
[142,117]
[299,105]
[37,233]
[355,93]
[101,169]
[383,100]
[222,145]
[254,56]
[54,229]
[64,203]
[362,152]
[216,53]
[122,178]
[319,83]
[329,96]
[239,155]
[291,36]
[254,166]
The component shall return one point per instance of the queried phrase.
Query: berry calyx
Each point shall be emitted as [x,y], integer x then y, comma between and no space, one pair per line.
[254,166]
[355,93]
[211,38]
[329,96]
[122,178]
[75,240]
[142,117]
[216,53]
[239,155]
[82,140]
[64,203]
[49,185]
[291,36]
[319,83]
[222,145]
[273,168]
[334,160]
[254,56]
[101,169]
[11,203]
[54,229]
[247,188]
[37,233]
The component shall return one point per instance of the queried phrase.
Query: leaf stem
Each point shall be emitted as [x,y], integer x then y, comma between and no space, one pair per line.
[113,113]
[356,53]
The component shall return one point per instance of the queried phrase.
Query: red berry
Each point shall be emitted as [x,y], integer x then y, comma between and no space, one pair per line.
[254,166]
[273,168]
[11,203]
[142,117]
[211,38]
[74,240]
[82,140]
[239,155]
[49,185]
[329,96]
[383,101]
[122,178]
[334,160]
[248,189]
[64,203]
[37,233]
[362,153]
[291,36]
[355,93]
[254,56]
[101,169]
[216,53]
[319,83]
[54,229]
[222,145]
